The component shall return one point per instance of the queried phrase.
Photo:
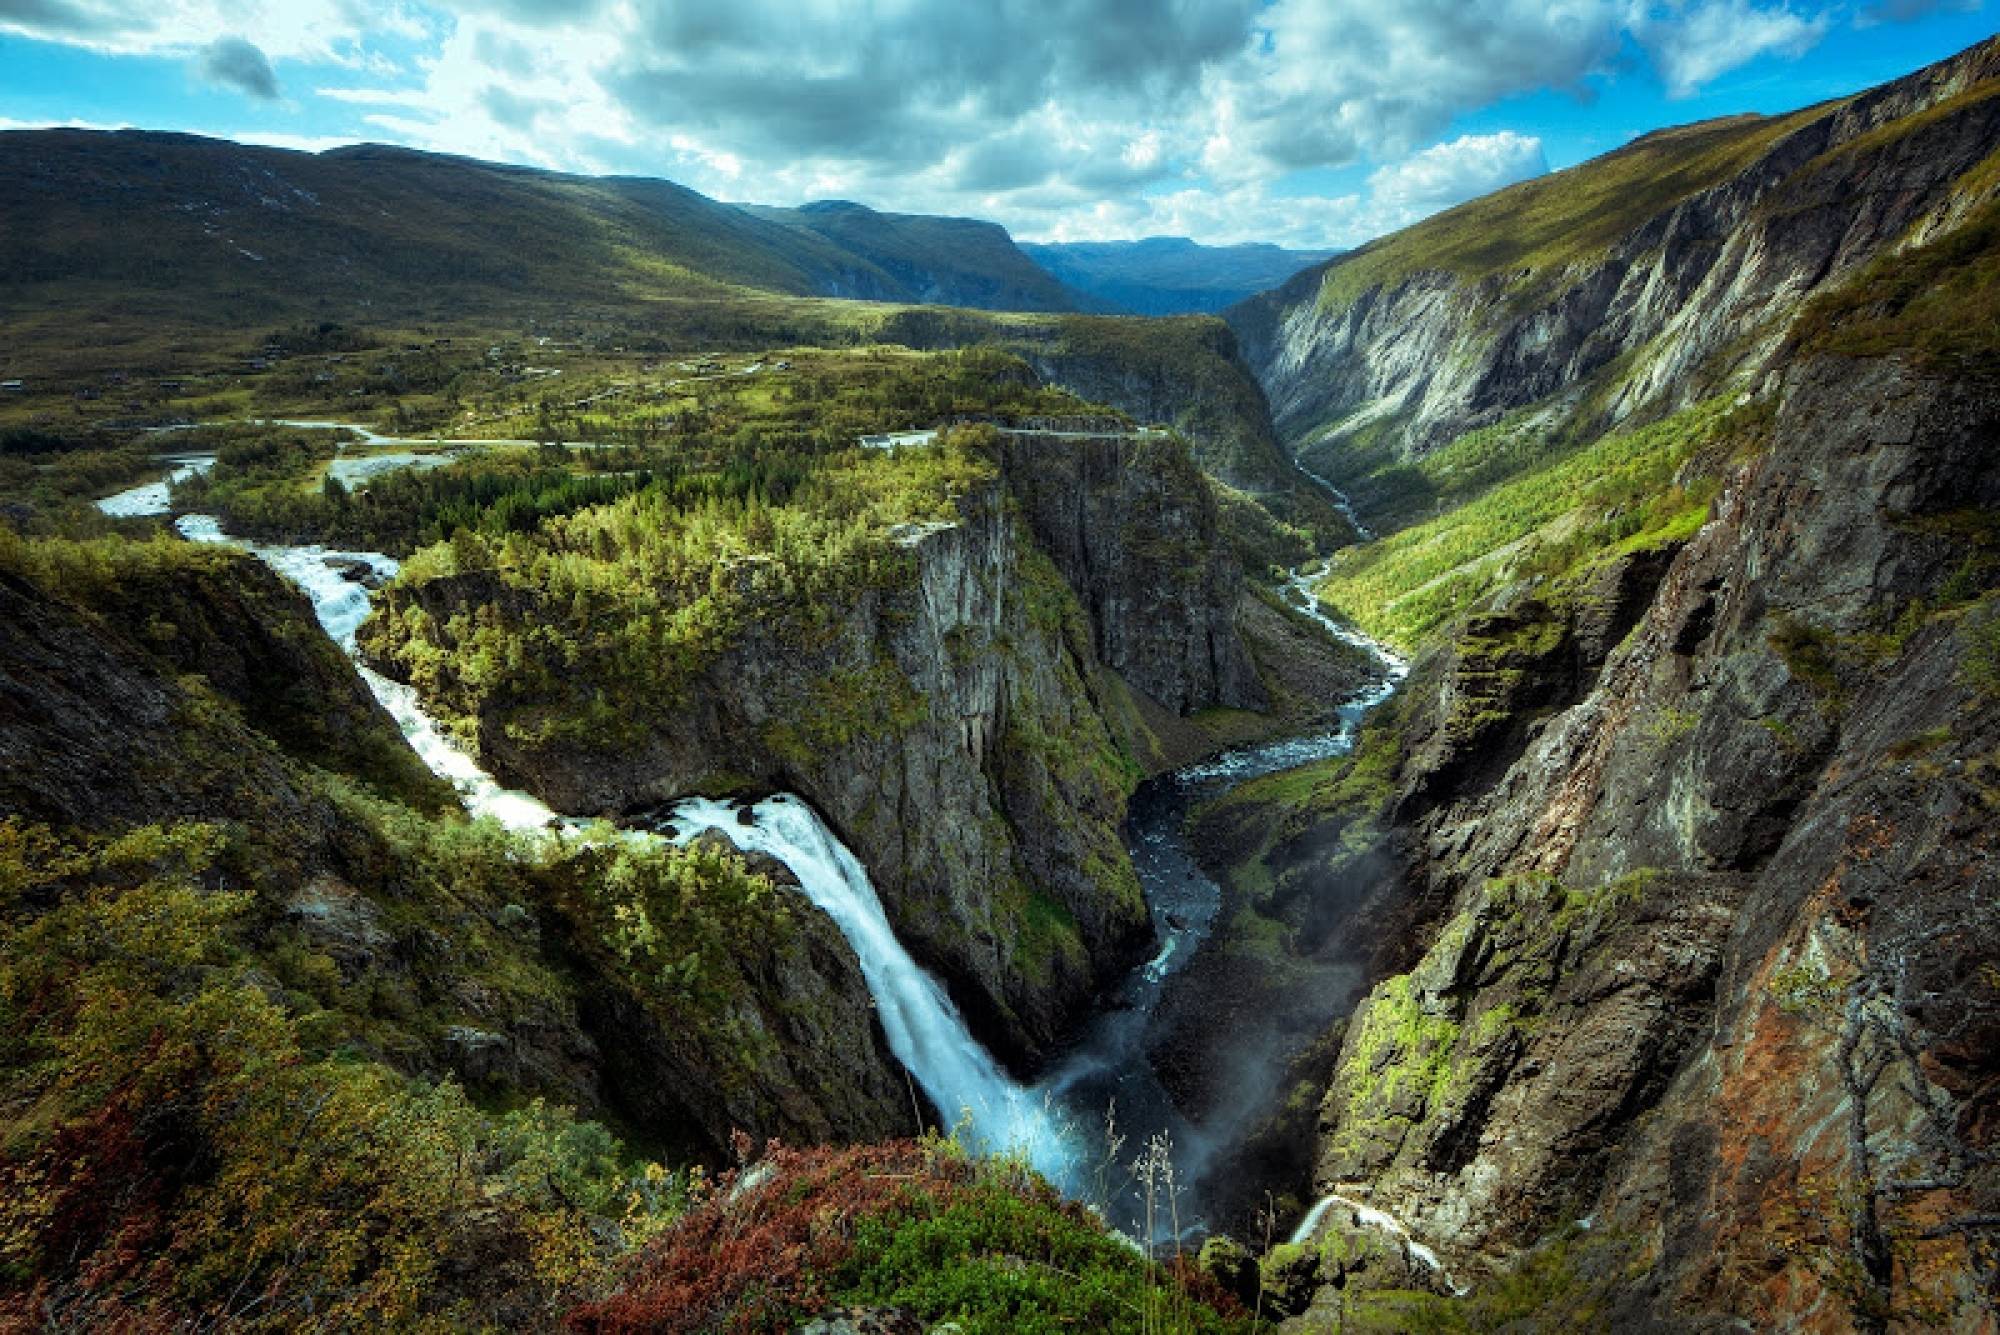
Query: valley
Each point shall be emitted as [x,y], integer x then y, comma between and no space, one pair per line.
[786,768]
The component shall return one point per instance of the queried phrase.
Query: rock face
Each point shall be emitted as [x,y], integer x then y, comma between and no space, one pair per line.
[1696,860]
[971,731]
[1113,514]
[1771,212]
[1705,968]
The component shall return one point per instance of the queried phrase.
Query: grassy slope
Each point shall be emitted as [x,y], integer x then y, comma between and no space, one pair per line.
[975,261]
[1617,492]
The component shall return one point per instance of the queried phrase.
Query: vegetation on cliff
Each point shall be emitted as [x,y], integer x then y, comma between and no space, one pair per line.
[1513,517]
[632,600]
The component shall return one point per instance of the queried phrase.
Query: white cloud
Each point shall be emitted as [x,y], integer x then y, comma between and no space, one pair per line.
[288,29]
[1447,174]
[1329,82]
[1694,45]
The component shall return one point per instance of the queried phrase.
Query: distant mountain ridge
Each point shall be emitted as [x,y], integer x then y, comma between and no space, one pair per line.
[186,226]
[937,260]
[1171,275]
[178,228]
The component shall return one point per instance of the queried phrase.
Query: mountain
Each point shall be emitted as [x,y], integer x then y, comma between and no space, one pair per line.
[1169,275]
[174,224]
[1682,827]
[937,261]
[1632,282]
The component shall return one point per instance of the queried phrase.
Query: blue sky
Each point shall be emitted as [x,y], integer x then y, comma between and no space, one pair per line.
[1308,122]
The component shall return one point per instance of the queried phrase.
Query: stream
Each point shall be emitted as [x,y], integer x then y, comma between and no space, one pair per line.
[1058,1124]
[1108,1070]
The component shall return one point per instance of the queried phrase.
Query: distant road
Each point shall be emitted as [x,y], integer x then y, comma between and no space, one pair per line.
[894,439]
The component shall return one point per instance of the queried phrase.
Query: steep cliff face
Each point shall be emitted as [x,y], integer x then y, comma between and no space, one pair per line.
[1633,282]
[970,726]
[1115,517]
[1709,970]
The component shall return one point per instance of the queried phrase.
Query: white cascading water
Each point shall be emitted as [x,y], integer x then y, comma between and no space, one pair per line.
[341,604]
[1367,1216]
[923,1028]
[1340,502]
[151,498]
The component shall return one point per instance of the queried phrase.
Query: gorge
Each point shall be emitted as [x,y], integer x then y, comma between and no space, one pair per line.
[1458,795]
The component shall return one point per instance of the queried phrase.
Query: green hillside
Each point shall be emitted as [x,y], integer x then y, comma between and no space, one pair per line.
[957,261]
[174,225]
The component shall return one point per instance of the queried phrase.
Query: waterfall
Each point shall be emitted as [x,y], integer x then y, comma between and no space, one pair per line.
[1367,1216]
[923,1027]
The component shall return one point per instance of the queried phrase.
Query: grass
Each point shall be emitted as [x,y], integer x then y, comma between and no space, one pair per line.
[1618,494]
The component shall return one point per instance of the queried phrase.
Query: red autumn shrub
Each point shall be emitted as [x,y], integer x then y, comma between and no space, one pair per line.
[758,1249]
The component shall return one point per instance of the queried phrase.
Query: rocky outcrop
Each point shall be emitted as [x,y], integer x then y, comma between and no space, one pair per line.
[1707,968]
[1184,372]
[808,1063]
[1410,360]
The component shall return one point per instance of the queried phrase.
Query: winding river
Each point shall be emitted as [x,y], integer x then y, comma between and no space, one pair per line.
[1059,1123]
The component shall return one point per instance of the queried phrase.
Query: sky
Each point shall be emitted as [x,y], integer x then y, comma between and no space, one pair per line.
[1312,123]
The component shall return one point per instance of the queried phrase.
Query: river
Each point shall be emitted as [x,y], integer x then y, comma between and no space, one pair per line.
[1108,1071]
